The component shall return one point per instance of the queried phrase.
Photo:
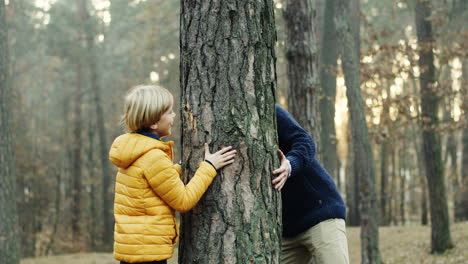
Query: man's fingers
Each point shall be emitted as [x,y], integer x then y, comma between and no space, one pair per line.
[280,185]
[281,154]
[279,170]
[276,180]
[282,176]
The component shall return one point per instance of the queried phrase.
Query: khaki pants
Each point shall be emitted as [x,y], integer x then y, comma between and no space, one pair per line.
[324,243]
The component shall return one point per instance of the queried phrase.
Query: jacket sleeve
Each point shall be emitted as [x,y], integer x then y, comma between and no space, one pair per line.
[301,144]
[164,179]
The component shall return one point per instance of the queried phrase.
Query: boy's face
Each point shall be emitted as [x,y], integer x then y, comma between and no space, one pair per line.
[164,126]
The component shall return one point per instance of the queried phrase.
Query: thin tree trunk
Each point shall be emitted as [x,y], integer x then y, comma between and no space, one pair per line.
[103,146]
[76,150]
[352,187]
[361,145]
[402,184]
[384,183]
[56,215]
[391,202]
[354,27]
[440,226]
[228,81]
[461,198]
[301,55]
[422,173]
[384,154]
[9,236]
[328,64]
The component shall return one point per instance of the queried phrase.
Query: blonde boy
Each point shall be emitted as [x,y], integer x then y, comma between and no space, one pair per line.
[148,187]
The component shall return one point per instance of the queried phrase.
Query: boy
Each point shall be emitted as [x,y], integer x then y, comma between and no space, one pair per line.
[148,187]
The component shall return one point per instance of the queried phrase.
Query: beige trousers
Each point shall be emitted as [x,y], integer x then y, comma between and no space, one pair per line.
[324,243]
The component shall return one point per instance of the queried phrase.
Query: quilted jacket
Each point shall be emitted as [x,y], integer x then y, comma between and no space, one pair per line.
[147,191]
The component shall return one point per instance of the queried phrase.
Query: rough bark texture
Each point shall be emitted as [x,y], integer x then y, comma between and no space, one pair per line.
[301,55]
[9,237]
[228,81]
[440,226]
[328,63]
[102,134]
[461,197]
[363,161]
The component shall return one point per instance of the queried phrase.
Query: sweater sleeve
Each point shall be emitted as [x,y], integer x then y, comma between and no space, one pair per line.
[166,183]
[293,137]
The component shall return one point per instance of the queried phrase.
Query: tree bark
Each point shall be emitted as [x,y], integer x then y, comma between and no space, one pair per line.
[392,192]
[9,246]
[302,64]
[102,134]
[384,165]
[422,180]
[384,183]
[402,175]
[363,160]
[461,198]
[354,27]
[440,226]
[228,81]
[76,150]
[328,63]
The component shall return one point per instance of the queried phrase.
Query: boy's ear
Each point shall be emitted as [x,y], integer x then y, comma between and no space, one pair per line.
[154,127]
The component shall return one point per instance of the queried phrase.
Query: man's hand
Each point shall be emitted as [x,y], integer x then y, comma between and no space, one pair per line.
[283,172]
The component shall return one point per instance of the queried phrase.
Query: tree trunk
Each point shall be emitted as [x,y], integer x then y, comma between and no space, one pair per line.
[354,27]
[228,83]
[108,233]
[440,226]
[328,63]
[384,183]
[384,165]
[76,150]
[422,180]
[461,197]
[355,9]
[361,145]
[353,217]
[402,184]
[301,55]
[391,194]
[9,236]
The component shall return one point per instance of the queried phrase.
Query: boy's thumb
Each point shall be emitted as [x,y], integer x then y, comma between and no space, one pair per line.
[207,149]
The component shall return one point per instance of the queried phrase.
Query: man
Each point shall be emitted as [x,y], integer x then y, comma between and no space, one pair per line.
[313,210]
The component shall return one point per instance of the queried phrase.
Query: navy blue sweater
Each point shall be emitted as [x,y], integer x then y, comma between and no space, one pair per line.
[309,196]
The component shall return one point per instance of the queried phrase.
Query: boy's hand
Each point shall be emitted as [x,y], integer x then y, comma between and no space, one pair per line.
[221,158]
[283,172]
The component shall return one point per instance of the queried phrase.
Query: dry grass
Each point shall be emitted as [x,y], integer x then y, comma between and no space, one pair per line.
[411,245]
[402,245]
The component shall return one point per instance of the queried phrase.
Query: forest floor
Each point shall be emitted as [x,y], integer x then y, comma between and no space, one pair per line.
[398,244]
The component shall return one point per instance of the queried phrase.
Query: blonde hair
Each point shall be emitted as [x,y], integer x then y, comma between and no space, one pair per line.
[144,106]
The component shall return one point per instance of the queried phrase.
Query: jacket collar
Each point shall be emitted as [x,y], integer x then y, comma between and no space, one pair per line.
[149,134]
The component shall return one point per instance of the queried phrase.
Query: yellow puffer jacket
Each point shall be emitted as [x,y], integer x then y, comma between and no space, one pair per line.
[147,191]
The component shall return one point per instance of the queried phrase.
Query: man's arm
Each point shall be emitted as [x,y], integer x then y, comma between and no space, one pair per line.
[301,144]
